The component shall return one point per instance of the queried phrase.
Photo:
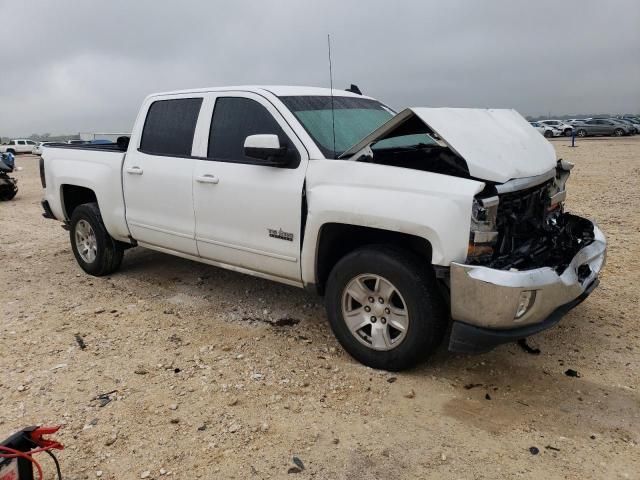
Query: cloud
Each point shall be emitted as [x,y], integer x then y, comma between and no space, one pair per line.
[70,66]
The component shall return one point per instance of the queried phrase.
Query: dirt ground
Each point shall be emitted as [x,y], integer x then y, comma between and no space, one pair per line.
[206,387]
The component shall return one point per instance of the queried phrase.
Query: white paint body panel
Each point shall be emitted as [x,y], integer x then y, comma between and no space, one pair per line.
[429,205]
[234,214]
[99,171]
[497,144]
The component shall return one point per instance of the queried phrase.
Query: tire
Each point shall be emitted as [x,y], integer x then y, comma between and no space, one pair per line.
[11,151]
[96,252]
[567,132]
[7,194]
[548,134]
[618,132]
[581,132]
[414,303]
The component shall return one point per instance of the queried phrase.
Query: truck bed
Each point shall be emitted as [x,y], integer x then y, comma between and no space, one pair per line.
[104,147]
[96,168]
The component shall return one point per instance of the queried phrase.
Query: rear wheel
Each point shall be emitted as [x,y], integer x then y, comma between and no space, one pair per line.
[95,250]
[548,133]
[384,307]
[567,132]
[618,132]
[581,132]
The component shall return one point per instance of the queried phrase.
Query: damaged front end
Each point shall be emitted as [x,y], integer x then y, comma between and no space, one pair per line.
[527,228]
[528,263]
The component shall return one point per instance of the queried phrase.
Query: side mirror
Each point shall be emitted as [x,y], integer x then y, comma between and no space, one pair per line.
[266,147]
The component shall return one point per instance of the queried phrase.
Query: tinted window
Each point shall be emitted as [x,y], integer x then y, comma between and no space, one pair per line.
[170,126]
[234,119]
[30,142]
[20,142]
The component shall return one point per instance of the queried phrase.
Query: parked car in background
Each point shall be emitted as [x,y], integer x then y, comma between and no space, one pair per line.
[573,121]
[546,130]
[601,126]
[561,125]
[633,118]
[634,128]
[37,150]
[18,146]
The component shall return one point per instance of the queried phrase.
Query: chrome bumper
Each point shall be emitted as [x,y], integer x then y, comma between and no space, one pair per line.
[488,298]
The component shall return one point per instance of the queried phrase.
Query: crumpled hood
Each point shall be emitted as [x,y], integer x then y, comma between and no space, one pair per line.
[497,144]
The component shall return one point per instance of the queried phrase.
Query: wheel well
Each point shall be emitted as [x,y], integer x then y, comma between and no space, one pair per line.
[74,196]
[338,239]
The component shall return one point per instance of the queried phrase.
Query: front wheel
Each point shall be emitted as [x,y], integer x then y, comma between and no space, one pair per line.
[618,132]
[548,134]
[384,307]
[581,133]
[95,250]
[568,132]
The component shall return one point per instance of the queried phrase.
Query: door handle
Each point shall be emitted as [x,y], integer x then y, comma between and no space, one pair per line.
[207,178]
[134,170]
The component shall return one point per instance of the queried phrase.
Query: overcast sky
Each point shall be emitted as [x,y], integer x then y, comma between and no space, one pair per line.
[85,65]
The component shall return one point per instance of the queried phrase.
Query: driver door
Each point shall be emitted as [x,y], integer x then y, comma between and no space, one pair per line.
[248,213]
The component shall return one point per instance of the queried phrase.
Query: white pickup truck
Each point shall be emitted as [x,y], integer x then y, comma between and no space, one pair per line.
[413,225]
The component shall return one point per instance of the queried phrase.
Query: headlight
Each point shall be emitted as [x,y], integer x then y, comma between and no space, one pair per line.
[557,191]
[484,234]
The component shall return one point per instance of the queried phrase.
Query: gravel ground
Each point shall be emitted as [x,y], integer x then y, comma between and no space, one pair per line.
[206,386]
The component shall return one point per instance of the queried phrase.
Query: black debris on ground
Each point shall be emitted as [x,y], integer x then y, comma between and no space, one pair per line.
[534,450]
[528,348]
[572,373]
[469,386]
[487,396]
[80,342]
[555,449]
[391,379]
[298,463]
[104,398]
[285,322]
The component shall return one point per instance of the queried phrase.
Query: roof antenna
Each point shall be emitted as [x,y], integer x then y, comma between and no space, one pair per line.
[333,117]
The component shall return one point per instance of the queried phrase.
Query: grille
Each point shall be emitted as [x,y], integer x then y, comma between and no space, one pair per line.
[521,216]
[525,208]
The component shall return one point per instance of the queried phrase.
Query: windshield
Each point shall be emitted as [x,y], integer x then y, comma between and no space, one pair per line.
[354,119]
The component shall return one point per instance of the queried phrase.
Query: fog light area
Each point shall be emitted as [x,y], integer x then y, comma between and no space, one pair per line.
[527,297]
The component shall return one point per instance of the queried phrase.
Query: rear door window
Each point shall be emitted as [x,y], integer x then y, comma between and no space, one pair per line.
[234,119]
[170,127]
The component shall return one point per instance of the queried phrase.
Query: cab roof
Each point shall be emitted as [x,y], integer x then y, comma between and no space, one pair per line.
[278,90]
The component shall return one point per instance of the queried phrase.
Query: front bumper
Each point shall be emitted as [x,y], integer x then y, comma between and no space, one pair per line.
[484,301]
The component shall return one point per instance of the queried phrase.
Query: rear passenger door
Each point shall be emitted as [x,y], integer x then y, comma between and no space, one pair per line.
[157,175]
[248,213]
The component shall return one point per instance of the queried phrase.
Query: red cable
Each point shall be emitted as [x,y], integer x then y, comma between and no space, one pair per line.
[18,454]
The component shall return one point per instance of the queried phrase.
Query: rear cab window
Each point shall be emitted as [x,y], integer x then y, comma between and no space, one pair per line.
[170,127]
